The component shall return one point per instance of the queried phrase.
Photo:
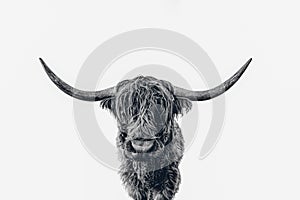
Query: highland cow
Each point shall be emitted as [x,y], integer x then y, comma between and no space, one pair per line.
[150,142]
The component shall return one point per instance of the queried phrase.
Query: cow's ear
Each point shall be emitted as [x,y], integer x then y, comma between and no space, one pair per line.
[182,106]
[108,103]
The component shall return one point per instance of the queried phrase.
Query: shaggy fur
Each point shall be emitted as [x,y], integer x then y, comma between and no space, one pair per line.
[146,110]
[150,142]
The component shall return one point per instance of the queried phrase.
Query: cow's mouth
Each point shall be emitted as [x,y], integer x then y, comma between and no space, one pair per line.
[142,145]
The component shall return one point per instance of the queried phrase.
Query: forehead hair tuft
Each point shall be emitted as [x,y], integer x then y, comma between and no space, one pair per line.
[135,97]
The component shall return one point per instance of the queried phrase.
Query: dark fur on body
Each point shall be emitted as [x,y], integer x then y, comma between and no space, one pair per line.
[143,182]
[146,110]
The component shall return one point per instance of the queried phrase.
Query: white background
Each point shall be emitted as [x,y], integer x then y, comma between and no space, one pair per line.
[258,154]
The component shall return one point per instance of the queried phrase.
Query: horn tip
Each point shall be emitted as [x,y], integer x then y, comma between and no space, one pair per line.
[247,64]
[41,60]
[45,66]
[249,61]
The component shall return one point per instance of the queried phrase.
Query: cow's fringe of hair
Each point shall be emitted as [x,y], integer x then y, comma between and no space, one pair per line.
[146,88]
[140,93]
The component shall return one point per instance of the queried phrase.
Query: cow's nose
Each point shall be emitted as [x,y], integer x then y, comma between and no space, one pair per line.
[138,142]
[139,135]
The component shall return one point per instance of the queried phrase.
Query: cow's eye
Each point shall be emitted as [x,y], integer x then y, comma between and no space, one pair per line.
[123,134]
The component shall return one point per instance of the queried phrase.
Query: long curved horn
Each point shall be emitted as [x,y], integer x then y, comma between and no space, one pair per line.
[212,93]
[78,94]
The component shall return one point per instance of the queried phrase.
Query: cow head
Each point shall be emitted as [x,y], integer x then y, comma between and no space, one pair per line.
[145,108]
